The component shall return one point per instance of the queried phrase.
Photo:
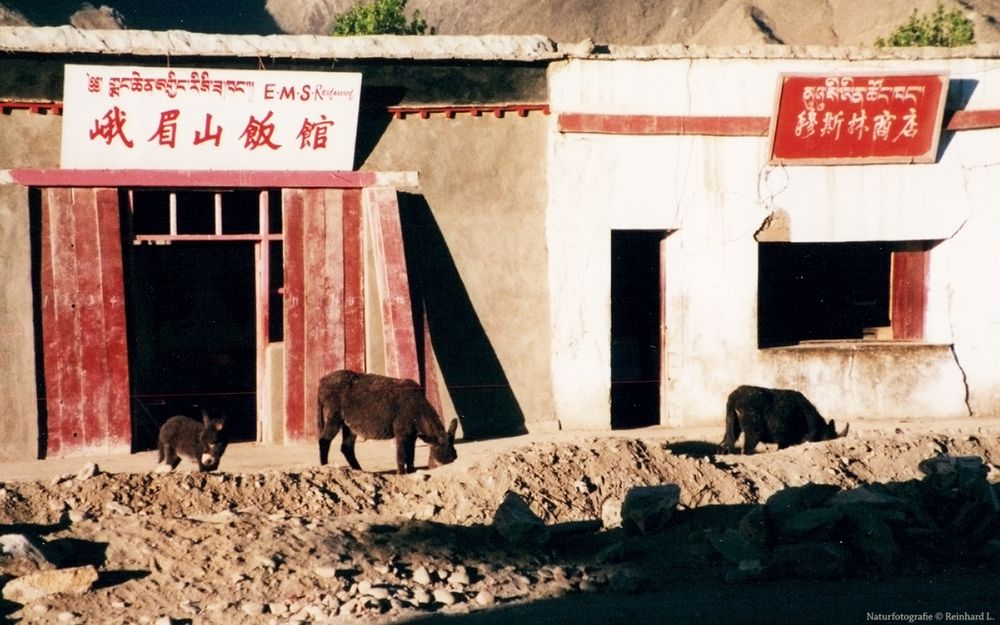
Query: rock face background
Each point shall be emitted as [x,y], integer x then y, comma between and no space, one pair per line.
[633,22]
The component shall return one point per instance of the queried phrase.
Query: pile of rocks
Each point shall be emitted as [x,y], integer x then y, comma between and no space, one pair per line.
[951,516]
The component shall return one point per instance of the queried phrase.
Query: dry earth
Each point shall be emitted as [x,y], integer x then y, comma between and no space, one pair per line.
[266,542]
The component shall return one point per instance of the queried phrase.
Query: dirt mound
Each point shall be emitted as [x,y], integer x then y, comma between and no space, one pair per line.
[321,543]
[563,481]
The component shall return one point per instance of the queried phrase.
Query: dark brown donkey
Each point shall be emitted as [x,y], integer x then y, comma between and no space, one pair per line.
[377,407]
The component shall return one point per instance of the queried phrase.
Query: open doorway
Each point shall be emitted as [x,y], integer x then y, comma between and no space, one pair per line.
[192,310]
[636,313]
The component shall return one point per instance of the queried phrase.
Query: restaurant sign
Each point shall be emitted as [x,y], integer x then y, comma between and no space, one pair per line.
[857,119]
[208,119]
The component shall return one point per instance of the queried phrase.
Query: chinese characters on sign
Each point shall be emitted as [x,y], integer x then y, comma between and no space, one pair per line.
[858,119]
[154,118]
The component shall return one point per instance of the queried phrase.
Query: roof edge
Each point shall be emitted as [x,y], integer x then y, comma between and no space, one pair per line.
[180,43]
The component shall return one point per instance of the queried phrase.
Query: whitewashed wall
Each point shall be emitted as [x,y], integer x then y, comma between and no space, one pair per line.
[714,194]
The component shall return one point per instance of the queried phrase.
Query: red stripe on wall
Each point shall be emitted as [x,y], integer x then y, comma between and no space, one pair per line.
[663,124]
[973,120]
[731,126]
[192,179]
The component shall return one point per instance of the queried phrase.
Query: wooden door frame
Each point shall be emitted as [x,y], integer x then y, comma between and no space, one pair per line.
[167,180]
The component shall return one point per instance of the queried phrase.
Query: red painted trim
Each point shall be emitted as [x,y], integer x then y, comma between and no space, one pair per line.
[294,331]
[119,413]
[314,285]
[354,283]
[331,297]
[663,125]
[973,120]
[450,111]
[51,346]
[909,294]
[394,286]
[67,326]
[192,179]
[92,367]
[157,238]
[39,108]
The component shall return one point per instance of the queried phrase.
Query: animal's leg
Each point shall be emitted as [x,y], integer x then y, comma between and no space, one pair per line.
[405,447]
[732,431]
[347,447]
[330,423]
[171,457]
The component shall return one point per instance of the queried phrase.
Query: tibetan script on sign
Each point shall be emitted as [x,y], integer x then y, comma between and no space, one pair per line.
[161,118]
[891,118]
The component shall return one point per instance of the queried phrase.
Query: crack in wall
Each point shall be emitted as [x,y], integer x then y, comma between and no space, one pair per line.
[965,379]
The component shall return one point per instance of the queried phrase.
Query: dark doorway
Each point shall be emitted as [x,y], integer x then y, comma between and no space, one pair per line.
[191,323]
[635,327]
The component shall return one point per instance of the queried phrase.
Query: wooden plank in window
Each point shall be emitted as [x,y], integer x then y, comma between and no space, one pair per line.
[909,293]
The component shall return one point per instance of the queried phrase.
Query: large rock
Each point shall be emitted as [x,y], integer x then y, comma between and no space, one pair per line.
[809,560]
[648,508]
[22,555]
[756,526]
[734,547]
[794,499]
[74,581]
[516,522]
[871,536]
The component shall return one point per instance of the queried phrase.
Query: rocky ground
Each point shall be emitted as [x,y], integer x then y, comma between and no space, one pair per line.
[528,532]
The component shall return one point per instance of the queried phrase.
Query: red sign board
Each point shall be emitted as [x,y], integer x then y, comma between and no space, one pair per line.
[886,118]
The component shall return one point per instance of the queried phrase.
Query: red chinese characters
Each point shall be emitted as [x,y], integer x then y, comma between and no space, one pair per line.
[257,132]
[858,119]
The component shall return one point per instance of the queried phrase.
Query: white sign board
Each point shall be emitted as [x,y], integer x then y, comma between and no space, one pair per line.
[208,119]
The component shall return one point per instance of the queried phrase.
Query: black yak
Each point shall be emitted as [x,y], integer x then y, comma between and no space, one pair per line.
[768,415]
[378,407]
[202,441]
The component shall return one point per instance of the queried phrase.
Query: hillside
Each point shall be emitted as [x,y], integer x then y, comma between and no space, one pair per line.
[629,22]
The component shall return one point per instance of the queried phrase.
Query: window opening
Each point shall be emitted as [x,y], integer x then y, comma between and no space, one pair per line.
[840,291]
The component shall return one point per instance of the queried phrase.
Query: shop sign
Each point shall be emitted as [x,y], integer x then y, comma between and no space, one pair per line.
[208,119]
[857,118]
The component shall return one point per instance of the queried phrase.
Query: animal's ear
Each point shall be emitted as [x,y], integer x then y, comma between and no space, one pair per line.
[205,418]
[452,428]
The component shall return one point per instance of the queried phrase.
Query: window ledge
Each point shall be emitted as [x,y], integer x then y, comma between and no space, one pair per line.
[860,344]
